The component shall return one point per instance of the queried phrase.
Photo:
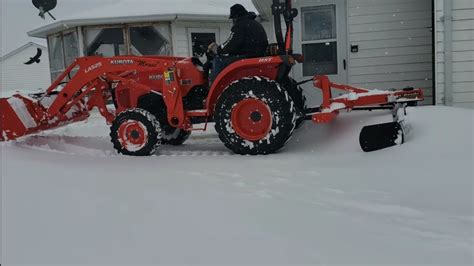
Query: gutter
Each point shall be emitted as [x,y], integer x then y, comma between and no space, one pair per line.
[448,52]
[59,26]
[17,50]
[260,10]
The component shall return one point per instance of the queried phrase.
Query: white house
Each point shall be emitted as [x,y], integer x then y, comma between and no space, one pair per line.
[389,44]
[380,44]
[16,76]
[164,27]
[455,52]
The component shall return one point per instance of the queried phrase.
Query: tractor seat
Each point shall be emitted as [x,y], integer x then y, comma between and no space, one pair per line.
[272,49]
[197,62]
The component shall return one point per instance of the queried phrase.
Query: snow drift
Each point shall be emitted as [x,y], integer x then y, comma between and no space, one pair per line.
[68,198]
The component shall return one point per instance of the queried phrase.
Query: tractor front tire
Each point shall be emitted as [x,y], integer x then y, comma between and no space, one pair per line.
[136,132]
[255,116]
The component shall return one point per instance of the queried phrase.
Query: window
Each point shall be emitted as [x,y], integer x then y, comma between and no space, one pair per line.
[71,49]
[319,23]
[63,50]
[320,58]
[150,40]
[56,55]
[108,41]
[105,42]
[319,40]
[199,40]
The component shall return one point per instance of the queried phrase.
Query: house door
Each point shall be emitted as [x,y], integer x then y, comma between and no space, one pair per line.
[199,39]
[321,36]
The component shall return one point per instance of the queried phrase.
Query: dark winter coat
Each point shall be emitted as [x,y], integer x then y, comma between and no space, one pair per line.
[247,38]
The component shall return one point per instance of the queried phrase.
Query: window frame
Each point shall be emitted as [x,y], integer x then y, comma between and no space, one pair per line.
[303,25]
[190,31]
[82,40]
[321,41]
[60,36]
[102,27]
[149,24]
[126,33]
[66,32]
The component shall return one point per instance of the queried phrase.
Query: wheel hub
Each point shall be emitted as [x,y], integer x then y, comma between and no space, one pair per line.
[135,134]
[252,119]
[132,135]
[256,116]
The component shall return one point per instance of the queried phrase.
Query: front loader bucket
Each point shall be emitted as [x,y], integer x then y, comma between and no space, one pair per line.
[20,116]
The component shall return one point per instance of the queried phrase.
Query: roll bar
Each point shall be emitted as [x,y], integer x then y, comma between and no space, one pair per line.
[285,9]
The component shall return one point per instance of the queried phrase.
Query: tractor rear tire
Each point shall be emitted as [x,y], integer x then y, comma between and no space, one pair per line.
[136,132]
[297,94]
[255,116]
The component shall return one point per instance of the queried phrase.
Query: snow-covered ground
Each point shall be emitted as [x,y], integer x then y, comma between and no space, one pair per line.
[68,198]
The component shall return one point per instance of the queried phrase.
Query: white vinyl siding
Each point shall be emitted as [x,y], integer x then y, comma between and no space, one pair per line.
[395,44]
[16,76]
[462,53]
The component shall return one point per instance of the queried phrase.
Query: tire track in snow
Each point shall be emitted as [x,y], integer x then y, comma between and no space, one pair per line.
[101,147]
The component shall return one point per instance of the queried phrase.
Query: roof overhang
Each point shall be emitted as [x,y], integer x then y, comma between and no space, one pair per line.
[62,25]
[10,54]
[264,8]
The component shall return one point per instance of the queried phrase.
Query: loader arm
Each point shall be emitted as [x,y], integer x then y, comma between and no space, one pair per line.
[87,82]
[96,73]
[285,9]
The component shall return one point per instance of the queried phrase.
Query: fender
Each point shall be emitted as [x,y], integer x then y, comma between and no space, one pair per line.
[263,66]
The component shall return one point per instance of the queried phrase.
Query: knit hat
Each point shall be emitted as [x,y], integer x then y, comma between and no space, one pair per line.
[237,11]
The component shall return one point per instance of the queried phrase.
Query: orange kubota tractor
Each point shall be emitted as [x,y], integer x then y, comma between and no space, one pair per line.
[157,100]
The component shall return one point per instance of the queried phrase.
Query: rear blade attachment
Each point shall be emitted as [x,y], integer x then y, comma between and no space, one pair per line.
[381,136]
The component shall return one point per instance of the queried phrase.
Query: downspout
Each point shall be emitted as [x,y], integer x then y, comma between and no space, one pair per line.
[173,37]
[434,43]
[448,52]
[80,39]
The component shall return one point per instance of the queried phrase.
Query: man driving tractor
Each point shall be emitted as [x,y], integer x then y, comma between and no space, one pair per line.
[247,39]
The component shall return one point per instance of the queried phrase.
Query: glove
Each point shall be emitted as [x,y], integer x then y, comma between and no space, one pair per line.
[212,48]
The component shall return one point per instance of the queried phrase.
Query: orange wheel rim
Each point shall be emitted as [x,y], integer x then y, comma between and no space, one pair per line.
[132,135]
[252,119]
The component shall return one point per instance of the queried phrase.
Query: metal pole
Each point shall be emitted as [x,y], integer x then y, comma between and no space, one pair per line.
[80,39]
[448,52]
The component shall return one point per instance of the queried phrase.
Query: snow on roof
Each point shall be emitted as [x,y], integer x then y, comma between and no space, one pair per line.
[264,8]
[125,8]
[19,49]
[132,11]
